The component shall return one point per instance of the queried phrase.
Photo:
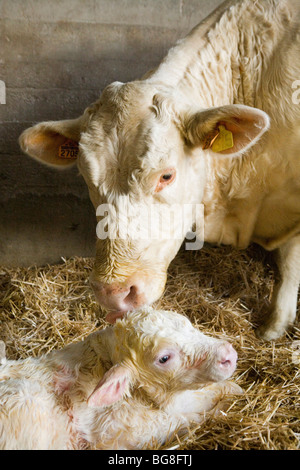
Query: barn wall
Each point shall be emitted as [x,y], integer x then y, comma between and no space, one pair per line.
[55,58]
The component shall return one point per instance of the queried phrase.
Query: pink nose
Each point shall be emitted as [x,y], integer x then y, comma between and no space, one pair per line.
[118,298]
[226,357]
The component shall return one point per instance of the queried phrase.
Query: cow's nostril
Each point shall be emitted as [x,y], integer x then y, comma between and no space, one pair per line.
[132,296]
[119,297]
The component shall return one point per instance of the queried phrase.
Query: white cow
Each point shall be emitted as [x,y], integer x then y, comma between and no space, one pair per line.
[124,387]
[218,123]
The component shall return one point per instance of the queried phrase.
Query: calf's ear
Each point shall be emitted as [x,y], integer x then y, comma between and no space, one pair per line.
[113,386]
[228,130]
[54,143]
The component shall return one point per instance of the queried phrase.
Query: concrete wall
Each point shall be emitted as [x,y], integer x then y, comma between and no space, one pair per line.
[55,58]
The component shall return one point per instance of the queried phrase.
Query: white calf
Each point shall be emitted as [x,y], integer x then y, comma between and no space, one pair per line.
[123,387]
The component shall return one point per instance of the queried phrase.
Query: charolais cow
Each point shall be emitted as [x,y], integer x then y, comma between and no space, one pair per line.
[123,387]
[217,123]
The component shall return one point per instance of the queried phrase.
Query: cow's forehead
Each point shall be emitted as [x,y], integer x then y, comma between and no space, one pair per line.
[124,106]
[124,138]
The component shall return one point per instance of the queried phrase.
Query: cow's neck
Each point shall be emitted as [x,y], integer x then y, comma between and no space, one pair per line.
[219,62]
[175,65]
[203,69]
[210,68]
[230,60]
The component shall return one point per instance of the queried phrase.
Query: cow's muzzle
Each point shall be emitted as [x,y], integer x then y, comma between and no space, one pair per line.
[119,298]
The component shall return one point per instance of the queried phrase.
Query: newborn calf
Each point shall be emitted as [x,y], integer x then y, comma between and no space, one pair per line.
[124,387]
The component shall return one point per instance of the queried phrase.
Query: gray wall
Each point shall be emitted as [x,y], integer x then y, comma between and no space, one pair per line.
[55,58]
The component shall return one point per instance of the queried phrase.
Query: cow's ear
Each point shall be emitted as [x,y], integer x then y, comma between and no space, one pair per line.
[113,386]
[54,143]
[229,130]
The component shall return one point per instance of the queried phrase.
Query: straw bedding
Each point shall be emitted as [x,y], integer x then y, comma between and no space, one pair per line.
[226,293]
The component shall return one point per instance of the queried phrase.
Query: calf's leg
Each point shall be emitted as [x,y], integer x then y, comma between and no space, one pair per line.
[196,405]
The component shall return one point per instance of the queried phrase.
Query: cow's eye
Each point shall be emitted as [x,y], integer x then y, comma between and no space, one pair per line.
[164,359]
[167,177]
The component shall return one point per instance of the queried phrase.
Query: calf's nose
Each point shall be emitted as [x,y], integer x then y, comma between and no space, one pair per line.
[118,298]
[226,357]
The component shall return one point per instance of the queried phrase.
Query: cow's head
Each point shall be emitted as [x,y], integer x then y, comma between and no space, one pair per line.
[141,154]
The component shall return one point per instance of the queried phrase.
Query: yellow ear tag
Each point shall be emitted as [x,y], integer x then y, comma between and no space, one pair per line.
[224,140]
[69,150]
[209,140]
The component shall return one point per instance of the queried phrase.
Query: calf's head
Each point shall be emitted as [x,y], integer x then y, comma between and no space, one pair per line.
[161,353]
[142,151]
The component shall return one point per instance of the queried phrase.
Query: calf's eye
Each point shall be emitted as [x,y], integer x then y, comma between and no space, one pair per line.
[167,177]
[164,359]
